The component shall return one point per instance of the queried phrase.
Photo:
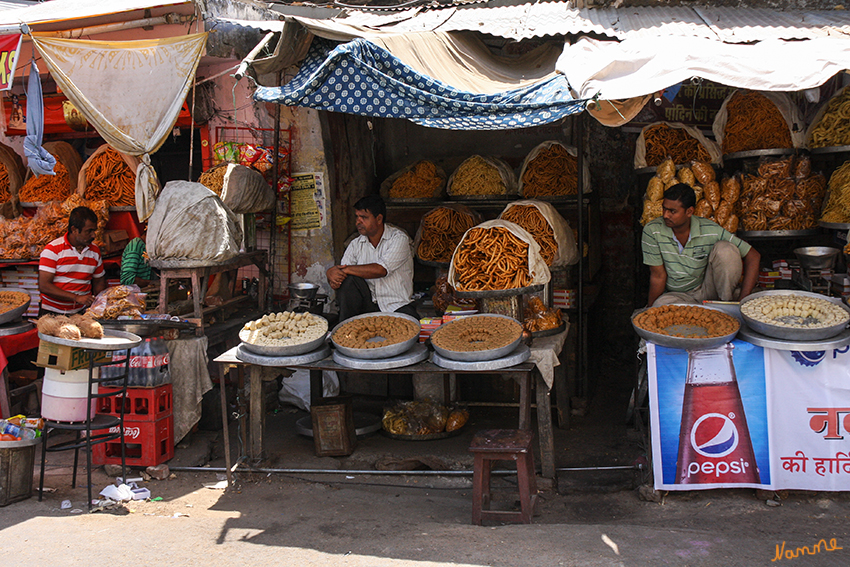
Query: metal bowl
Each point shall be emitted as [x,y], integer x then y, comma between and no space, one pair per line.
[683,343]
[477,355]
[17,312]
[817,257]
[379,352]
[283,350]
[303,290]
[793,333]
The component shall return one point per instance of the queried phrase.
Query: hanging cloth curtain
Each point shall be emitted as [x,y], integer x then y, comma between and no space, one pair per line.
[39,160]
[130,91]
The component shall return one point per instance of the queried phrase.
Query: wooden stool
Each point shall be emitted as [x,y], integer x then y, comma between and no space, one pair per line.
[503,445]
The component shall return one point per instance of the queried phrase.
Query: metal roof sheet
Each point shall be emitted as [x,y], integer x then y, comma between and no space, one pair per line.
[737,26]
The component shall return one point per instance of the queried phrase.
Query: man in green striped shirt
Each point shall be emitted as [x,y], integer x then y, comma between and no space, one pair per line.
[134,265]
[692,259]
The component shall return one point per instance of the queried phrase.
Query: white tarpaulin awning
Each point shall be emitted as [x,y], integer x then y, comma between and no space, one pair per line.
[632,68]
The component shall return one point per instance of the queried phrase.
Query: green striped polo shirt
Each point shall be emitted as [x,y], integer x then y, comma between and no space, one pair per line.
[685,270]
[133,264]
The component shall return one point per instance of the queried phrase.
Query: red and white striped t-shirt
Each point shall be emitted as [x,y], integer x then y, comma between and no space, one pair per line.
[73,271]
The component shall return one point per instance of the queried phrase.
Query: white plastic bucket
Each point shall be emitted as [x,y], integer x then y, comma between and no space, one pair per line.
[65,400]
[77,376]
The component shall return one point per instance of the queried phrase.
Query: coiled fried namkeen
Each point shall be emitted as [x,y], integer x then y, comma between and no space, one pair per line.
[837,208]
[109,178]
[420,182]
[662,142]
[754,123]
[834,126]
[659,319]
[442,229]
[477,177]
[530,218]
[552,172]
[490,259]
[213,179]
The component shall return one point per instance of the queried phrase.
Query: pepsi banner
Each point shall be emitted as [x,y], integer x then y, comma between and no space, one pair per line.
[10,47]
[743,416]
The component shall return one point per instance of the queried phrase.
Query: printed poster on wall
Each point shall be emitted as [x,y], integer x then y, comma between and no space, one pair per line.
[10,47]
[784,424]
[307,201]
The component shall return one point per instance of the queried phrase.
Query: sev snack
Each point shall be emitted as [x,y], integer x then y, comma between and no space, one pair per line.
[490,259]
[12,300]
[754,123]
[553,171]
[476,333]
[837,208]
[662,142]
[4,184]
[213,179]
[477,177]
[109,178]
[678,320]
[420,182]
[834,126]
[530,218]
[358,333]
[43,188]
[442,229]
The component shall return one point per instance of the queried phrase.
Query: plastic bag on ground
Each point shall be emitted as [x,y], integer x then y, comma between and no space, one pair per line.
[296,388]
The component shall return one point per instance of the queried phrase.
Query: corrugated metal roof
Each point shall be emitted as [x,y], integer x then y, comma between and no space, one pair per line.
[524,21]
[734,25]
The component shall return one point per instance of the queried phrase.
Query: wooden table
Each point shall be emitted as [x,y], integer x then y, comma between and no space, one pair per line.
[525,374]
[199,275]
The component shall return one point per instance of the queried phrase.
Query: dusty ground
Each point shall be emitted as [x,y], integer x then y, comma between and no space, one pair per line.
[595,518]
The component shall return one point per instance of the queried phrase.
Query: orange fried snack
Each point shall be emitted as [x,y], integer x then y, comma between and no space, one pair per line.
[660,319]
[490,259]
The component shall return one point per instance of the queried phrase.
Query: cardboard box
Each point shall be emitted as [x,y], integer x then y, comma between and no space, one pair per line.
[115,240]
[62,357]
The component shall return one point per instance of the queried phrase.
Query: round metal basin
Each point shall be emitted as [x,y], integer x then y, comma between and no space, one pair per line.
[388,351]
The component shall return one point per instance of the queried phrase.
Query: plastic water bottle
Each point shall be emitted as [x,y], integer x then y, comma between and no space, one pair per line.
[12,429]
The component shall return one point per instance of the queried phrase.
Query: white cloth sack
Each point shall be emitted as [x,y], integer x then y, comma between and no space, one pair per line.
[190,222]
[130,91]
[640,148]
[245,190]
[545,145]
[564,237]
[537,268]
[789,111]
[295,389]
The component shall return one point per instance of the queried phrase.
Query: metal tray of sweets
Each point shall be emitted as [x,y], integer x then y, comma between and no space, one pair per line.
[797,334]
[684,343]
[497,293]
[378,352]
[112,340]
[284,350]
[17,312]
[476,355]
[840,340]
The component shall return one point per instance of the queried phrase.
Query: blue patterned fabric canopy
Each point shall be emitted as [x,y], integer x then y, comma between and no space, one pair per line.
[359,77]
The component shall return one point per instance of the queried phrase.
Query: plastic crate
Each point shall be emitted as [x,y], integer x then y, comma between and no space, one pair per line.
[141,404]
[146,444]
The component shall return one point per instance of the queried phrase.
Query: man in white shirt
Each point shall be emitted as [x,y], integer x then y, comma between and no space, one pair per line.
[376,271]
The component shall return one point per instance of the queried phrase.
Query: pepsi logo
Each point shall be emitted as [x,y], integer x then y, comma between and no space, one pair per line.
[714,435]
[810,358]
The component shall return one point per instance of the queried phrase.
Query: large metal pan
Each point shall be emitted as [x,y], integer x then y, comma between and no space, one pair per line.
[683,343]
[378,352]
[283,350]
[112,340]
[17,312]
[477,355]
[800,334]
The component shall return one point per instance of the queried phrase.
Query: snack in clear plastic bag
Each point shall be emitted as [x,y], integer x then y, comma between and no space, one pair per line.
[120,301]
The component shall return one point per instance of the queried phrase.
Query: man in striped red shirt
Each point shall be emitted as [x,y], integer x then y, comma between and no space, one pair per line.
[70,271]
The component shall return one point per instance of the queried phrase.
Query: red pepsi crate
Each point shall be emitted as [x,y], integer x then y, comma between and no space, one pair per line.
[146,444]
[141,404]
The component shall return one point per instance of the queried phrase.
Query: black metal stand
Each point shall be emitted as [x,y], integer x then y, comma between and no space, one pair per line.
[107,427]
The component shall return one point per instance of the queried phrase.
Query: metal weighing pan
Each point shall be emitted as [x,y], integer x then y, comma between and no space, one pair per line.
[112,340]
[683,343]
[477,355]
[840,340]
[518,356]
[497,293]
[15,328]
[796,334]
[417,353]
[283,350]
[378,352]
[17,312]
[282,361]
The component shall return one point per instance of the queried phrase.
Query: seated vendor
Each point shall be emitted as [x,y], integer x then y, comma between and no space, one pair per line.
[692,259]
[70,270]
[376,272]
[135,269]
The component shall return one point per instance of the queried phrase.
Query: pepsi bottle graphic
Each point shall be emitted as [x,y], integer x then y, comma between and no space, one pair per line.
[714,440]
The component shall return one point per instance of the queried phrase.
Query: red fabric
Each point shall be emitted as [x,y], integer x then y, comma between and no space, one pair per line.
[11,345]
